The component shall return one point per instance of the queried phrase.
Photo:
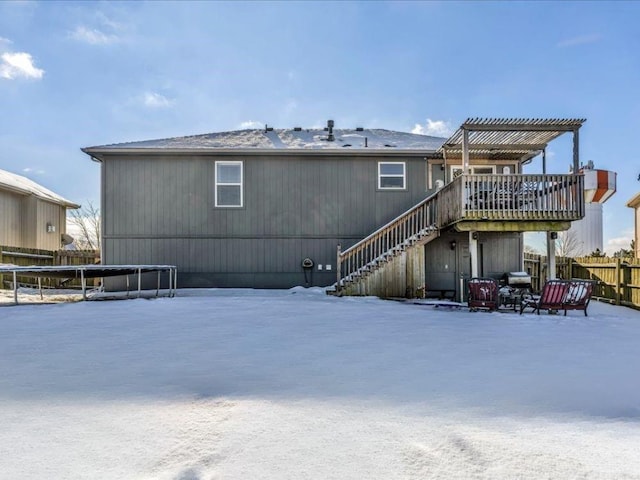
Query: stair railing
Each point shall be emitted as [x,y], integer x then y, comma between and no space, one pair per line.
[390,239]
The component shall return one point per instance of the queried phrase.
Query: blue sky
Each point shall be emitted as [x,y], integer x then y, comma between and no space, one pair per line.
[76,74]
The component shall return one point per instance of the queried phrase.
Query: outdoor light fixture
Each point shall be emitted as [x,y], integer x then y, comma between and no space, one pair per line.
[554,235]
[452,244]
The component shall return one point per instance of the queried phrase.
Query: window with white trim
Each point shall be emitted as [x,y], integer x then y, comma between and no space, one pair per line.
[228,190]
[392,175]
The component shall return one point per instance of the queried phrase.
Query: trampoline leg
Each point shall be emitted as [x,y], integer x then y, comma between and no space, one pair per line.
[15,287]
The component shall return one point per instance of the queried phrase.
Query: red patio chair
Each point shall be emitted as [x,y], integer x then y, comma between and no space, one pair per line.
[483,293]
[551,298]
[578,295]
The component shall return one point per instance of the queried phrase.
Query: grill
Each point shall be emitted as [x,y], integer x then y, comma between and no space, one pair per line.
[514,286]
[517,280]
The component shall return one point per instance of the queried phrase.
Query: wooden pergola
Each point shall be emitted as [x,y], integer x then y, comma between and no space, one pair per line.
[518,139]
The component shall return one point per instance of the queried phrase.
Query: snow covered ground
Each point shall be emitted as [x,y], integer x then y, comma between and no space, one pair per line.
[250,384]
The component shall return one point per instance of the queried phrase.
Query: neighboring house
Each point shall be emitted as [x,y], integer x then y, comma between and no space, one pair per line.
[635,204]
[268,208]
[31,216]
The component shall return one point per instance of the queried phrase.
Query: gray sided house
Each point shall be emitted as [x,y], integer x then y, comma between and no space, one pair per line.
[31,216]
[276,208]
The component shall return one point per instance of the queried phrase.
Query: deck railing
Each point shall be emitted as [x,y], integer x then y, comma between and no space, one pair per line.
[405,230]
[512,197]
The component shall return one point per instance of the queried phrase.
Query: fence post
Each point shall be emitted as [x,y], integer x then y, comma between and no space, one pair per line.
[617,281]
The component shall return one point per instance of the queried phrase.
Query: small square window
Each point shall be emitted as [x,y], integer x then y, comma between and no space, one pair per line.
[391,175]
[228,189]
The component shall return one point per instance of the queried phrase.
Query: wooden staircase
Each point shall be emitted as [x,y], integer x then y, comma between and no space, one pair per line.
[390,261]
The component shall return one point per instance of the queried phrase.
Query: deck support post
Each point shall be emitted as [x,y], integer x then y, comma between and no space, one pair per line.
[551,257]
[473,253]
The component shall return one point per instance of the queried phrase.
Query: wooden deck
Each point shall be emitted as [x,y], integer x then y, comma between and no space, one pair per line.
[517,203]
[526,202]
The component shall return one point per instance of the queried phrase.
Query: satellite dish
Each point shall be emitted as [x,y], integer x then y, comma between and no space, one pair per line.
[66,239]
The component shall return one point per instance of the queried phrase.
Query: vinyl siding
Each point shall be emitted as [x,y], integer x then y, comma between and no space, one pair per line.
[10,228]
[24,219]
[161,210]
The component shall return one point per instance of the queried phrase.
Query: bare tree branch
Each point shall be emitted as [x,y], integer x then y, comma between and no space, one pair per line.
[86,223]
[568,244]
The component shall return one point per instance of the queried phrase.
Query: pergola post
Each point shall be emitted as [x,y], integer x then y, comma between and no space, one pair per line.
[576,151]
[465,151]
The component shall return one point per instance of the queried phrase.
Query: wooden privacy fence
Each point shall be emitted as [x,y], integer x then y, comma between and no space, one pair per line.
[45,258]
[615,279]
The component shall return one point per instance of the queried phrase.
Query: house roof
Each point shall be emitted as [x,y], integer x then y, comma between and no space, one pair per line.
[295,139]
[23,186]
[634,202]
[508,138]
